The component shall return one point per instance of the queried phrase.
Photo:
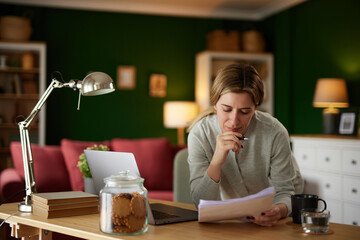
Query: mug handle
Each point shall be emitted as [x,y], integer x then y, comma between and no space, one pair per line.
[325,206]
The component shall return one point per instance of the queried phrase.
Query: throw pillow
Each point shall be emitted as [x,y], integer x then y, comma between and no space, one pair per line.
[153,157]
[50,171]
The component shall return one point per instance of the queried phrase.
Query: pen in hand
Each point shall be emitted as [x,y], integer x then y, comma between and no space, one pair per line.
[243,138]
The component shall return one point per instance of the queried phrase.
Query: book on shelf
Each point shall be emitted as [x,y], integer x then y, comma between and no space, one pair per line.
[63,197]
[42,212]
[17,84]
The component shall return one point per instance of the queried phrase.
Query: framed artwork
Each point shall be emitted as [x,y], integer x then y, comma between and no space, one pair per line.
[348,123]
[157,85]
[126,77]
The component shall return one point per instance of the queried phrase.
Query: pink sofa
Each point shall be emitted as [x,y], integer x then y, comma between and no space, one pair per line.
[56,166]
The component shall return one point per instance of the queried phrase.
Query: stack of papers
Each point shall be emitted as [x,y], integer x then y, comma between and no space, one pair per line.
[252,205]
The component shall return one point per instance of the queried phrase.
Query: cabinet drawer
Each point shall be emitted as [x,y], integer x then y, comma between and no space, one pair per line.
[330,186]
[351,214]
[329,159]
[322,184]
[351,161]
[352,189]
[335,208]
[311,182]
[305,157]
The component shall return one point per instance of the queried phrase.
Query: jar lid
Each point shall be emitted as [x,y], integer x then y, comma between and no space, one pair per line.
[124,177]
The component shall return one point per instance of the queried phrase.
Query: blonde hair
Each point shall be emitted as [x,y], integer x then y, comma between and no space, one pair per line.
[235,78]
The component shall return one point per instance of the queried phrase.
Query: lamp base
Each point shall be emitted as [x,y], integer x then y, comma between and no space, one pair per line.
[23,207]
[181,136]
[330,122]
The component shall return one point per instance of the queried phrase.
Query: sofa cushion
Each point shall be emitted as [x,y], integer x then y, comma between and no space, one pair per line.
[153,157]
[11,183]
[162,195]
[71,151]
[49,167]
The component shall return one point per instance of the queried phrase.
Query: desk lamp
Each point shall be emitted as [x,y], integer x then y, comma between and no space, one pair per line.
[95,83]
[330,94]
[178,114]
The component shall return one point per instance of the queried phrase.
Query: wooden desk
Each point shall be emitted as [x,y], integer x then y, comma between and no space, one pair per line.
[87,226]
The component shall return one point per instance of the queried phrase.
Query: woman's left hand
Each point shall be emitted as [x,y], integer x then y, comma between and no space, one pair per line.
[270,217]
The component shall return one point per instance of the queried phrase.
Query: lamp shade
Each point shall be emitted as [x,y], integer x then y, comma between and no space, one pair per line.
[330,92]
[97,83]
[179,113]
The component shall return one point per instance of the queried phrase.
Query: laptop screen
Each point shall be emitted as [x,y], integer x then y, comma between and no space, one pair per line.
[104,164]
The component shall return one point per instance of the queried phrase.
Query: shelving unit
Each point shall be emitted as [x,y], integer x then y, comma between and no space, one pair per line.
[21,85]
[208,63]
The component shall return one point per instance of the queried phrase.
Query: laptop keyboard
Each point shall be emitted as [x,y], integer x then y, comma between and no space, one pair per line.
[162,215]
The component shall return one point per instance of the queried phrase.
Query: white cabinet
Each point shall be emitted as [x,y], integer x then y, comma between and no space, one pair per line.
[208,63]
[22,81]
[330,166]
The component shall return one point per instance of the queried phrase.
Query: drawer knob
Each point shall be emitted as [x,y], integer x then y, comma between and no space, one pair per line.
[353,162]
[327,159]
[304,157]
[327,185]
[354,190]
[354,223]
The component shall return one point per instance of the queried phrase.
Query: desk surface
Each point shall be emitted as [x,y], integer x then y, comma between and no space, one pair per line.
[87,226]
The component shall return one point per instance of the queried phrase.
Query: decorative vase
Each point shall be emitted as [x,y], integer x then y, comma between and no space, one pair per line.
[89,185]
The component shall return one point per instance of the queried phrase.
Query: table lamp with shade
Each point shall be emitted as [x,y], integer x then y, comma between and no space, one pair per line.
[95,83]
[330,94]
[178,114]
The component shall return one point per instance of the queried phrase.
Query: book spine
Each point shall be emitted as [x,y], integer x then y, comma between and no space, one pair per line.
[17,84]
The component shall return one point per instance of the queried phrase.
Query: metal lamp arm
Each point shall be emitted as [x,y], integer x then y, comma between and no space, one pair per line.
[54,84]
[95,83]
[29,175]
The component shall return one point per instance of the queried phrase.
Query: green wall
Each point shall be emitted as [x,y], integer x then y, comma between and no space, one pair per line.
[318,38]
[82,41]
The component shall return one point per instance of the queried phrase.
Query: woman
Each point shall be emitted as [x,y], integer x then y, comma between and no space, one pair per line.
[223,166]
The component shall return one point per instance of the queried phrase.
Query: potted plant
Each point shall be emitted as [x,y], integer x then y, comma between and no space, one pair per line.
[84,168]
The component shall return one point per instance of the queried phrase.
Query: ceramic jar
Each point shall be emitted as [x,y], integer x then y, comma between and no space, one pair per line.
[27,61]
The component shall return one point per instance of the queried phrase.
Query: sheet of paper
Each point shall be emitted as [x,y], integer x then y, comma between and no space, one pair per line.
[251,205]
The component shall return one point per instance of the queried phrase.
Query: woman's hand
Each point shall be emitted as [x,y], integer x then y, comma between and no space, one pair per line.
[271,216]
[224,143]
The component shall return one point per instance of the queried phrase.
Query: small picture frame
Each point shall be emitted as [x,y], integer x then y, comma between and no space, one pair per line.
[126,77]
[157,85]
[348,123]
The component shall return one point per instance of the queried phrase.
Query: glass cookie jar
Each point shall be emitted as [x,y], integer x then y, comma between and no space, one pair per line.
[123,208]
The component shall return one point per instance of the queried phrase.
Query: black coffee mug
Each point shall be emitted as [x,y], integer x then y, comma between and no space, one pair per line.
[302,201]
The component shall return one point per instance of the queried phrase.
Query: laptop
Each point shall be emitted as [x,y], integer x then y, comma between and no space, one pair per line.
[104,164]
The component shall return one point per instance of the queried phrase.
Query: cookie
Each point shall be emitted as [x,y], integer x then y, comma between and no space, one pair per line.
[126,195]
[120,206]
[138,205]
[118,221]
[121,229]
[134,223]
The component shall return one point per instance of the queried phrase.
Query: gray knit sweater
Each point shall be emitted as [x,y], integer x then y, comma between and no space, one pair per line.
[266,160]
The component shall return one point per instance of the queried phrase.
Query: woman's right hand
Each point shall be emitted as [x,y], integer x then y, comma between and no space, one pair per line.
[224,143]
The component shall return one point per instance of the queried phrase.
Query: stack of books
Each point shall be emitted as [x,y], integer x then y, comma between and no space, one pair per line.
[64,204]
